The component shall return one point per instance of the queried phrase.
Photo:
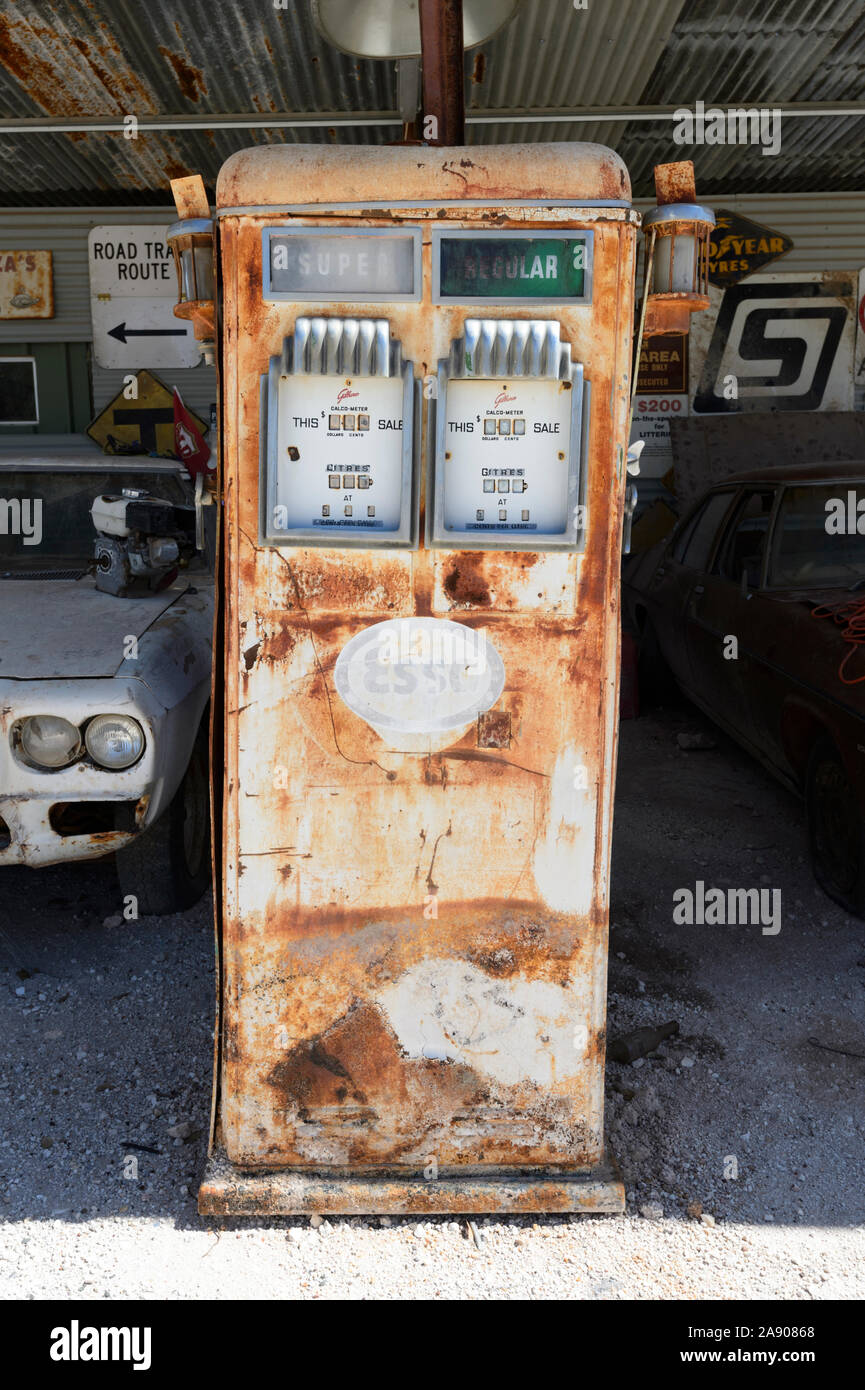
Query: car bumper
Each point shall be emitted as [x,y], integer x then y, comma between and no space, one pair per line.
[44,814]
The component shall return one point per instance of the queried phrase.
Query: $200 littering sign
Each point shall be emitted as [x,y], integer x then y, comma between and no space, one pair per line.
[776,342]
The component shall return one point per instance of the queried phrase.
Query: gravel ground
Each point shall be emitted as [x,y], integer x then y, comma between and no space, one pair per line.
[741,1140]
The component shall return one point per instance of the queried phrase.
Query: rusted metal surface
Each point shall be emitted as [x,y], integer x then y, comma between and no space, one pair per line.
[313,175]
[115,57]
[190,197]
[333,1192]
[671,313]
[441,37]
[26,285]
[414,946]
[675,183]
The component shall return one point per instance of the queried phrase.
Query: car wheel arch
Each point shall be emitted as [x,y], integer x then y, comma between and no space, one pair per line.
[801,729]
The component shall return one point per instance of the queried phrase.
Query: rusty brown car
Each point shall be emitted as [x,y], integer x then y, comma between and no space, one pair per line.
[755,608]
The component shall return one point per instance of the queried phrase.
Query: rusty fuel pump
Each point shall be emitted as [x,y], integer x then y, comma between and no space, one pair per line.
[425,360]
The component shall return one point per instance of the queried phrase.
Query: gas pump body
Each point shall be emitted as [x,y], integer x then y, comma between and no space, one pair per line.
[420,701]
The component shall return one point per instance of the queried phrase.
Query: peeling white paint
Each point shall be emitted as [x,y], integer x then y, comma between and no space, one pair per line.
[564,861]
[513,1030]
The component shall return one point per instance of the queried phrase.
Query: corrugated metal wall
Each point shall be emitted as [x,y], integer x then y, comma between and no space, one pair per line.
[828,232]
[828,229]
[553,55]
[65,231]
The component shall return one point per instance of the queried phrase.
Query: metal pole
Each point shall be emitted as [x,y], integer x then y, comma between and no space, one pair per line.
[647,281]
[441,38]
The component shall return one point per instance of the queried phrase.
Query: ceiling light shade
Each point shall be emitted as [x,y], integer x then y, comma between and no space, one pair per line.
[391,28]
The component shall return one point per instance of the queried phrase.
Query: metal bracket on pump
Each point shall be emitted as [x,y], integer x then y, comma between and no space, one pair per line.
[511,417]
[339,415]
[631,493]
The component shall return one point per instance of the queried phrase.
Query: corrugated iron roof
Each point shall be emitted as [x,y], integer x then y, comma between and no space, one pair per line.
[115,58]
[738,53]
[554,56]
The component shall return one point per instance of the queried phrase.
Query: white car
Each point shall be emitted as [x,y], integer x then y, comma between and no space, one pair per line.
[104,698]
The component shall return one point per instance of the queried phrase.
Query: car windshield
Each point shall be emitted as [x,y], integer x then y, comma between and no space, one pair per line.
[816,541]
[45,524]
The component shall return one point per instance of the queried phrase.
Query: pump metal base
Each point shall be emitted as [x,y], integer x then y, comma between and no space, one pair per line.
[231,1191]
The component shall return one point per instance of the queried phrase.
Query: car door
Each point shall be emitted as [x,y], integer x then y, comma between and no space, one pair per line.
[682,569]
[720,614]
[793,661]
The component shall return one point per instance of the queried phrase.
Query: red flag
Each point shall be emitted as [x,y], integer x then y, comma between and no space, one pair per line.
[189,444]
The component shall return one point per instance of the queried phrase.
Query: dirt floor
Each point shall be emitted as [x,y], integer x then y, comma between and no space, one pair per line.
[741,1140]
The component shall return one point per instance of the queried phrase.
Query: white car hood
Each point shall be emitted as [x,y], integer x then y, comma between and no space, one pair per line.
[57,629]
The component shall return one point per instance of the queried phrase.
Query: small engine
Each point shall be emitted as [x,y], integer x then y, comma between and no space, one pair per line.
[142,541]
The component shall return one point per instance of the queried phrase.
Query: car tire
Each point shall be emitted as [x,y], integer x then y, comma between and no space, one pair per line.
[167,867]
[836,829]
[654,677]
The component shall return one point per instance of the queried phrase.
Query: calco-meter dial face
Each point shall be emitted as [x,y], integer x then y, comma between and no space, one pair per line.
[506,461]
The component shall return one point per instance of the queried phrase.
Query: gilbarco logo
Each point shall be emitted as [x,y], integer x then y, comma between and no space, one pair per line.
[502,397]
[346,395]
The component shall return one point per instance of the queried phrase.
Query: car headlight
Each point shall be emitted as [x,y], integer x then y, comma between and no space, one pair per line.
[50,741]
[114,740]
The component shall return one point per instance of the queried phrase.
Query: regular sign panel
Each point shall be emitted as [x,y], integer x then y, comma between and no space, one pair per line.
[776,342]
[133,291]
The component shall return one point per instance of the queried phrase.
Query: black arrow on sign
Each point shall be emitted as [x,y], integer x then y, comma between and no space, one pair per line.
[121,332]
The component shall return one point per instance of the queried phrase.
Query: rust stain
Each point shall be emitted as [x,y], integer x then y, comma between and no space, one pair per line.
[675,183]
[494,729]
[278,644]
[100,83]
[333,1083]
[190,80]
[464,582]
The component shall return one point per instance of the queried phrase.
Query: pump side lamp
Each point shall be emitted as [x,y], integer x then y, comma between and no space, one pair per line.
[677,265]
[191,243]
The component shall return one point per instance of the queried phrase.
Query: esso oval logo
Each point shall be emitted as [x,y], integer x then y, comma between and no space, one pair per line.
[419,675]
